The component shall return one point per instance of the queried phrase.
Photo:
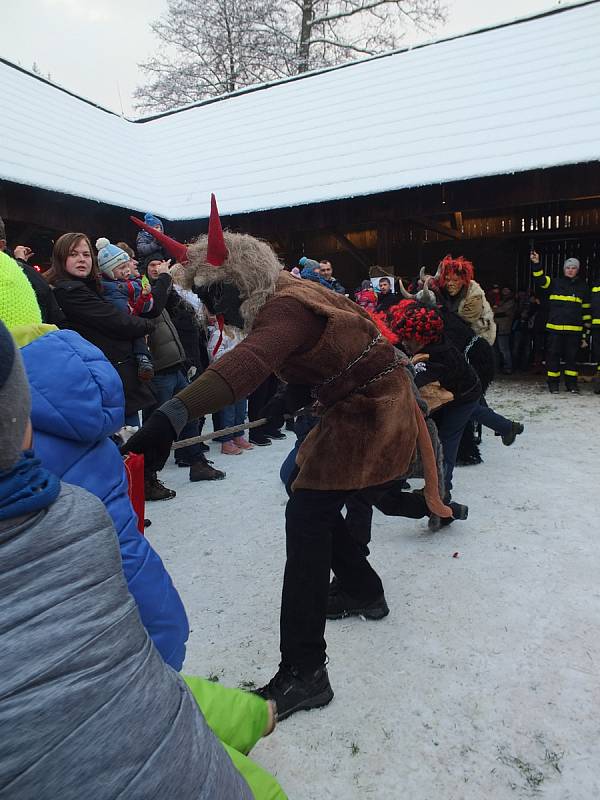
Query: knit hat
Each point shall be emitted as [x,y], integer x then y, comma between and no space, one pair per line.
[153,221]
[571,262]
[15,401]
[308,263]
[18,303]
[157,255]
[110,256]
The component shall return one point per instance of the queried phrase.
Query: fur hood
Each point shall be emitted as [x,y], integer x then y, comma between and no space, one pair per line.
[251,266]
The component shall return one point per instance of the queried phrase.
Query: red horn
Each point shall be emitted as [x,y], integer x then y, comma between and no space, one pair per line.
[217,249]
[172,246]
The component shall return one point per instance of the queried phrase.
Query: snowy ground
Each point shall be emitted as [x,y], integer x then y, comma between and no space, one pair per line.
[484,680]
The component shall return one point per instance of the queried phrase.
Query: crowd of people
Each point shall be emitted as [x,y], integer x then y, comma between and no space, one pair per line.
[116,349]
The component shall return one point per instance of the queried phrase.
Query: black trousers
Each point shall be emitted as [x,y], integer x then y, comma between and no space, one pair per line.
[317,541]
[563,346]
[391,501]
[256,403]
[451,420]
[596,347]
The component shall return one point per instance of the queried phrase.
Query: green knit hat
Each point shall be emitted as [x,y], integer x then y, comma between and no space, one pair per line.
[18,303]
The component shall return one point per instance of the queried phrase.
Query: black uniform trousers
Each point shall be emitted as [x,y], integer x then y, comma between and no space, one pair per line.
[565,346]
[596,347]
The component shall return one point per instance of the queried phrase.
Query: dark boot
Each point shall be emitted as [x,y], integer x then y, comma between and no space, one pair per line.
[201,470]
[554,386]
[155,489]
[259,439]
[275,434]
[340,604]
[293,690]
[459,511]
[515,429]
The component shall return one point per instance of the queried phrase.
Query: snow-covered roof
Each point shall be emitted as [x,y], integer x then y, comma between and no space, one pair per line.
[507,99]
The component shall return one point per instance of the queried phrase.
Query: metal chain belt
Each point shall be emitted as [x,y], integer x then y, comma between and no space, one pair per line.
[368,348]
[469,346]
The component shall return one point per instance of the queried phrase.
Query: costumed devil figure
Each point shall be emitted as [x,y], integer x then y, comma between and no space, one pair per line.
[332,354]
[469,325]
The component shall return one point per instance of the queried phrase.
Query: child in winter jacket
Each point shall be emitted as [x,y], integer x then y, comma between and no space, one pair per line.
[76,404]
[221,341]
[366,297]
[92,709]
[145,243]
[130,294]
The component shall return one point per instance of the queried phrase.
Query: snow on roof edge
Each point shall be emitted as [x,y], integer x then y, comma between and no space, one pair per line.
[571,4]
[61,88]
[257,87]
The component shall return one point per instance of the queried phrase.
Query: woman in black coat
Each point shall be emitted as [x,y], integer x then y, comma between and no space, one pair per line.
[77,288]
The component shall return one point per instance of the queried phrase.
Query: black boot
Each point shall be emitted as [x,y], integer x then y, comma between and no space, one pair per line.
[201,470]
[340,604]
[293,690]
[515,429]
[459,511]
[259,439]
[155,489]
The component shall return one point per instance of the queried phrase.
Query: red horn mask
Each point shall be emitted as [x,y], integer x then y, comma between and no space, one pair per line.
[174,248]
[216,252]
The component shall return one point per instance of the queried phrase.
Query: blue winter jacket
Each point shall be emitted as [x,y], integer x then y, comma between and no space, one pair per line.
[77,402]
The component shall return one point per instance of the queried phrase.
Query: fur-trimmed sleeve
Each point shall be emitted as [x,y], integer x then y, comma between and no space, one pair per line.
[472,309]
[284,326]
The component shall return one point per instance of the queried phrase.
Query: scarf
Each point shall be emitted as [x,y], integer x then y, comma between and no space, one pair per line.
[27,487]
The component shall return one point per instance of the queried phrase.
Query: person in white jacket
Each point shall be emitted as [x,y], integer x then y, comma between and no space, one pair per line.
[220,341]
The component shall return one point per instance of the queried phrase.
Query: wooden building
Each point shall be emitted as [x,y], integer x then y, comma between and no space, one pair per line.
[408,167]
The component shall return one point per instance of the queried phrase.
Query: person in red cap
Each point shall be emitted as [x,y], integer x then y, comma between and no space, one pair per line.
[332,356]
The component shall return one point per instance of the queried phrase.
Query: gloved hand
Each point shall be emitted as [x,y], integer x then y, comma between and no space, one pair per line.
[288,399]
[154,440]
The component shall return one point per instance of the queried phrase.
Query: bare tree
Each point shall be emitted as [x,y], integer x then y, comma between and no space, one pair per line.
[334,31]
[211,47]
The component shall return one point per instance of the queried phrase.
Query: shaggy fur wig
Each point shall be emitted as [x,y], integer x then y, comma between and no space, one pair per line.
[455,267]
[251,266]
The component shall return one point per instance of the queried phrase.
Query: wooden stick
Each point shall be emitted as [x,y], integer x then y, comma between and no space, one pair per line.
[208,436]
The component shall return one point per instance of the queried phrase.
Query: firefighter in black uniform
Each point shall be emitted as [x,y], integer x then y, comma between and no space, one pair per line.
[568,313]
[595,311]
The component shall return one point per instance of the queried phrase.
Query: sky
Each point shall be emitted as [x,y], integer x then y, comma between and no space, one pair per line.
[94,48]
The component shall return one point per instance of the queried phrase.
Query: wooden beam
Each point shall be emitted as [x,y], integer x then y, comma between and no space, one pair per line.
[347,245]
[457,220]
[430,225]
[383,243]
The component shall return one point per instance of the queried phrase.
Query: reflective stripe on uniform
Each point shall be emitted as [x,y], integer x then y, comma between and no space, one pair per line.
[571,372]
[596,321]
[546,282]
[594,288]
[551,327]
[538,273]
[553,374]
[587,317]
[587,305]
[566,297]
